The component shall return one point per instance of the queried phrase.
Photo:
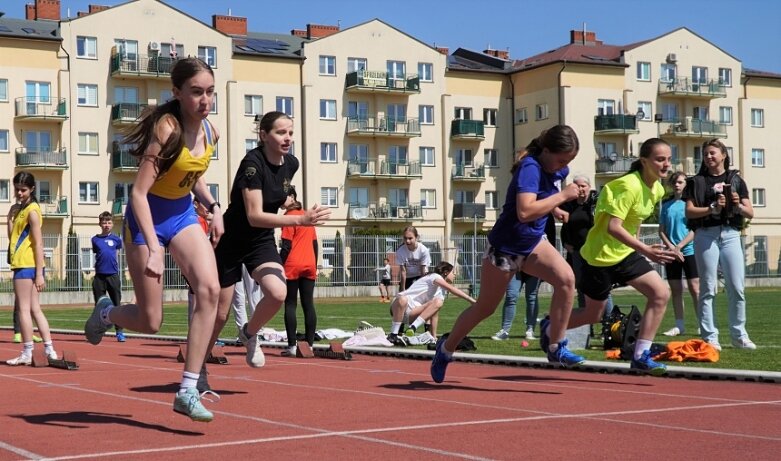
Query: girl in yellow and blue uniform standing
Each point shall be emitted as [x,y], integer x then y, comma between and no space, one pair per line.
[26,260]
[175,143]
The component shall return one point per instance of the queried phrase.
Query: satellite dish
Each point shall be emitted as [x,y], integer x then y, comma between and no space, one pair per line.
[640,115]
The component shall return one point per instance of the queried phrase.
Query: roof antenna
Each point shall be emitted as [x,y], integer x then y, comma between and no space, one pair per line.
[584,33]
[229,12]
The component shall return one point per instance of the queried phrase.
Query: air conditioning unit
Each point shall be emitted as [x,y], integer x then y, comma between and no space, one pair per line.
[672,57]
[154,46]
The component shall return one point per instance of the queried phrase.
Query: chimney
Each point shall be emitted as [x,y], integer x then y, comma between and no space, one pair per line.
[501,54]
[96,8]
[230,25]
[298,32]
[43,9]
[442,49]
[581,37]
[319,31]
[29,12]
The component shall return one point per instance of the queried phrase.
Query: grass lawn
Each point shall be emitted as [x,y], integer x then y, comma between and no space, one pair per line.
[764,325]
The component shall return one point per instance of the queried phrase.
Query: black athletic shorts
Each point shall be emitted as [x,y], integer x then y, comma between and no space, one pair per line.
[597,282]
[230,257]
[676,269]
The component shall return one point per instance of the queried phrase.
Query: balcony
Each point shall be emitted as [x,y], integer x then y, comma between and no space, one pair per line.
[141,66]
[467,129]
[126,113]
[381,82]
[381,126]
[53,207]
[384,212]
[122,160]
[687,88]
[357,169]
[468,173]
[692,128]
[118,207]
[39,109]
[615,124]
[614,164]
[468,212]
[400,170]
[41,159]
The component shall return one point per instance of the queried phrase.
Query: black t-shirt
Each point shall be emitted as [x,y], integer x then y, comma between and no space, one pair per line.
[255,172]
[581,219]
[710,197]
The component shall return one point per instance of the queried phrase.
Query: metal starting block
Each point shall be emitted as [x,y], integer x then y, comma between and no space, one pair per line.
[217,356]
[335,351]
[69,361]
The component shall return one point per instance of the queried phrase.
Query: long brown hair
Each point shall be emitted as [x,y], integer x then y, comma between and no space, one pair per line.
[646,149]
[557,139]
[143,134]
[715,142]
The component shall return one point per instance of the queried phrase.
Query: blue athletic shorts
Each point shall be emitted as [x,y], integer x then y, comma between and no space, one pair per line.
[25,273]
[168,216]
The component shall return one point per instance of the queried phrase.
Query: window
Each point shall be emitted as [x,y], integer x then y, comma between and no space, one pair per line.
[541,111]
[172,51]
[88,192]
[604,149]
[670,112]
[700,113]
[4,260]
[37,92]
[397,71]
[606,107]
[674,157]
[5,190]
[88,143]
[328,109]
[3,89]
[647,108]
[285,105]
[644,71]
[128,53]
[327,65]
[758,157]
[213,109]
[490,200]
[489,117]
[463,113]
[397,155]
[357,110]
[43,191]
[328,152]
[725,115]
[463,157]
[87,95]
[214,189]
[427,156]
[87,261]
[359,158]
[253,104]
[758,118]
[725,76]
[490,158]
[699,74]
[521,115]
[667,73]
[358,196]
[328,196]
[356,64]
[464,196]
[125,94]
[697,155]
[758,197]
[426,115]
[250,144]
[208,54]
[398,197]
[428,198]
[4,141]
[426,71]
[87,47]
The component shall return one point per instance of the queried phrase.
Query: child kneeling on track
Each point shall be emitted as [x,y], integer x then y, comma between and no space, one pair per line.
[423,300]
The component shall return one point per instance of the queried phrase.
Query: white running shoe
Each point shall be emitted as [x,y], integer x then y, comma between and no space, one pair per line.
[715,344]
[530,333]
[744,343]
[21,360]
[255,357]
[501,335]
[674,331]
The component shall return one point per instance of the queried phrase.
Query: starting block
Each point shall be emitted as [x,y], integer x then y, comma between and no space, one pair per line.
[335,351]
[217,356]
[69,361]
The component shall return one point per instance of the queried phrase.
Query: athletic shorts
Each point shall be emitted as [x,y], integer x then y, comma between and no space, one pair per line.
[301,272]
[385,282]
[676,269]
[410,280]
[230,257]
[597,282]
[411,304]
[503,261]
[168,216]
[26,273]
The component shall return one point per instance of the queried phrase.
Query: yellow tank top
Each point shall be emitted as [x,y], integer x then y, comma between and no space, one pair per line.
[21,249]
[178,181]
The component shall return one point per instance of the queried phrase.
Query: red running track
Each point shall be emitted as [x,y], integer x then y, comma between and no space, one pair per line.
[118,405]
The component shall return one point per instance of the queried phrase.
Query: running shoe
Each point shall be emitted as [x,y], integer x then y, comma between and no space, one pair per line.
[17,338]
[440,362]
[94,328]
[544,338]
[744,343]
[530,333]
[21,360]
[501,335]
[188,403]
[564,356]
[121,336]
[674,331]
[289,351]
[52,355]
[714,344]
[646,365]
[255,357]
[37,339]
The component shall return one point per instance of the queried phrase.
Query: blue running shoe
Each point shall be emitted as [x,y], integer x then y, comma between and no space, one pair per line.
[646,365]
[440,362]
[121,336]
[189,404]
[544,338]
[94,328]
[565,356]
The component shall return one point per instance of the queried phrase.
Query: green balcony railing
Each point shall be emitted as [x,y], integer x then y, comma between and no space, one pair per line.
[42,108]
[467,129]
[469,211]
[141,65]
[401,169]
[43,157]
[615,124]
[118,207]
[692,128]
[468,173]
[370,80]
[686,87]
[126,112]
[122,159]
[614,164]
[383,126]
[53,207]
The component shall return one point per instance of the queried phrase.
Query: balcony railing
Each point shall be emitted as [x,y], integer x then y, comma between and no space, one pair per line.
[469,211]
[378,81]
[382,126]
[374,211]
[40,109]
[686,87]
[361,168]
[614,164]
[467,129]
[122,159]
[400,170]
[471,173]
[692,128]
[118,207]
[53,207]
[41,158]
[126,112]
[615,124]
[142,66]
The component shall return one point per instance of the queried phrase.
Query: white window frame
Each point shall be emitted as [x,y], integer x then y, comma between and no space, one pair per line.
[491,202]
[84,91]
[90,139]
[208,54]
[541,111]
[328,152]
[491,158]
[5,190]
[464,157]
[725,76]
[427,156]
[253,102]
[356,64]
[462,113]
[758,197]
[606,106]
[4,141]
[428,198]
[725,115]
[328,109]
[426,114]
[643,71]
[604,149]
[3,90]
[490,116]
[648,110]
[327,65]
[87,258]
[522,115]
[358,196]
[213,109]
[699,75]
[91,194]
[426,71]
[758,118]
[89,45]
[668,72]
[329,197]
[757,158]
[285,105]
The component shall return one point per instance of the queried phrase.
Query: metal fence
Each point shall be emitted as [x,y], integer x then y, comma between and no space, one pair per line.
[345,260]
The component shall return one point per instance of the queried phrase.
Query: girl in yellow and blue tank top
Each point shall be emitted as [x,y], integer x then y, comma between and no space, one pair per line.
[25,254]
[175,143]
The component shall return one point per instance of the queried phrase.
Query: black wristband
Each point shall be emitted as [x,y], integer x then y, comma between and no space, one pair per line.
[212,205]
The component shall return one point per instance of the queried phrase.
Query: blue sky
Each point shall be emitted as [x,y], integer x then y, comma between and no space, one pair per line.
[747,29]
